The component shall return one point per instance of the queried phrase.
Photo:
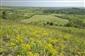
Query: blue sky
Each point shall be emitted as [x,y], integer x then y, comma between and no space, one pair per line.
[43,3]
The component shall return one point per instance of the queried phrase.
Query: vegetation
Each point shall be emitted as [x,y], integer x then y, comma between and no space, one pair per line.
[34,32]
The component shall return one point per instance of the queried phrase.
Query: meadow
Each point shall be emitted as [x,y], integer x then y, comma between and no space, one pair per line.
[42,32]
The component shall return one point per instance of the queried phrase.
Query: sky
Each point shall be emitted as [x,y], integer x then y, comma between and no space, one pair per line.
[43,3]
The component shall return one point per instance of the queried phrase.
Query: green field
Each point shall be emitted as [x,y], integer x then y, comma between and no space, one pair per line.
[42,31]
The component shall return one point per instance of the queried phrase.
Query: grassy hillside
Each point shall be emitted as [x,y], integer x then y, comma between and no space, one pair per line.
[46,20]
[54,34]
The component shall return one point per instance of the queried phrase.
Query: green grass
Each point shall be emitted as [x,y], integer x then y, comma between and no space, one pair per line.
[46,20]
[31,33]
[26,39]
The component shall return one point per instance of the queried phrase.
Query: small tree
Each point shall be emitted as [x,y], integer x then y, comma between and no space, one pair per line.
[4,15]
[51,23]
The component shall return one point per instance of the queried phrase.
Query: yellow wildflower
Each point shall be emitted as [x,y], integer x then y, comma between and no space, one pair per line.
[26,46]
[30,54]
[19,39]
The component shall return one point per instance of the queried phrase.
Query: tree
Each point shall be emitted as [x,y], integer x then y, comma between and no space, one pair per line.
[4,15]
